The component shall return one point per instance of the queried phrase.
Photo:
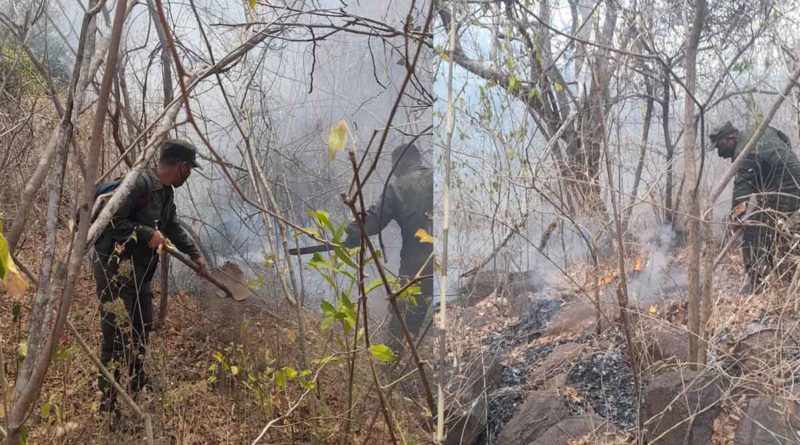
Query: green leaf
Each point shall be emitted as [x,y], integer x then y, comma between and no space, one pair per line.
[324,360]
[45,410]
[342,255]
[280,379]
[326,324]
[22,349]
[348,324]
[257,282]
[337,138]
[328,309]
[269,259]
[318,262]
[252,4]
[291,373]
[346,304]
[510,62]
[234,370]
[346,274]
[382,353]
[5,258]
[513,84]
[331,282]
[410,292]
[376,283]
[323,219]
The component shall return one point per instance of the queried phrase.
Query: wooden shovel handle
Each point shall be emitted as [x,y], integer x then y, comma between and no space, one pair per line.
[192,265]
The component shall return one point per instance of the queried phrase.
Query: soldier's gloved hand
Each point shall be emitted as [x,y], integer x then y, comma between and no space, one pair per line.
[201,262]
[156,240]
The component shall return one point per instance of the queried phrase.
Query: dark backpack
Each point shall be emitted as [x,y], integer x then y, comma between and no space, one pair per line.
[782,136]
[104,190]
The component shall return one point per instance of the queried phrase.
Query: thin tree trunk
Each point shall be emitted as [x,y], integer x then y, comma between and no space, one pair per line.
[648,117]
[708,295]
[622,286]
[692,198]
[40,344]
[442,380]
[166,58]
[669,212]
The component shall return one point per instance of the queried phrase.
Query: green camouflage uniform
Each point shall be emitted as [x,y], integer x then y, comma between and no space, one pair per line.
[409,201]
[771,171]
[124,274]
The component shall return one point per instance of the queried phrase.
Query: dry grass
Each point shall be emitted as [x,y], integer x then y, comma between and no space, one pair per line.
[185,406]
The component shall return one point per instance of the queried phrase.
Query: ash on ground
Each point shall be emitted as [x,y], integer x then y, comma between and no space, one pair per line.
[515,375]
[529,327]
[604,380]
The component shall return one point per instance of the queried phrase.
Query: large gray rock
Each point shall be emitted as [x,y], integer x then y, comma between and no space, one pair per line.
[503,284]
[664,342]
[588,426]
[541,410]
[768,422]
[765,352]
[483,284]
[680,408]
[558,361]
[580,317]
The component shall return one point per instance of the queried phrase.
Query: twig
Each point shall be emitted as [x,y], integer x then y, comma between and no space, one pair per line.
[392,298]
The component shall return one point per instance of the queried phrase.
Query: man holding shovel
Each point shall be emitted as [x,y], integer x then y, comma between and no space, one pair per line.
[127,258]
[771,174]
[408,200]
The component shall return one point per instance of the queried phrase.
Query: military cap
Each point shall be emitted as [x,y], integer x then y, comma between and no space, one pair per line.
[405,150]
[181,150]
[720,131]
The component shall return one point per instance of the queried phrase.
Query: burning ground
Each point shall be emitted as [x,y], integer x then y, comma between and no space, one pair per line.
[562,363]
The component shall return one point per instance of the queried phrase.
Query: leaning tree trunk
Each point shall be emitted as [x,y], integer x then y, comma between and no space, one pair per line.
[43,338]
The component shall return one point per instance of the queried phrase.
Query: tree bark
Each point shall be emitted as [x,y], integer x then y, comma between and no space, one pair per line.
[41,338]
[669,211]
[692,198]
[648,117]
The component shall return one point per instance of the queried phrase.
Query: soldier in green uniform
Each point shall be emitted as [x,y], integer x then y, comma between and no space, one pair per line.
[126,261]
[408,201]
[771,175]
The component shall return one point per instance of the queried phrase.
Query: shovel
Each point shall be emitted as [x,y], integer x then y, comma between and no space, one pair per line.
[168,250]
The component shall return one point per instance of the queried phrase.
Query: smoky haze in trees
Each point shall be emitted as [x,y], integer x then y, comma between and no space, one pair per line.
[286,96]
[505,171]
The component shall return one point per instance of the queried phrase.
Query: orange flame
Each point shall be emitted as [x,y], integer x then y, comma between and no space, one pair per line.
[608,277]
[638,264]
